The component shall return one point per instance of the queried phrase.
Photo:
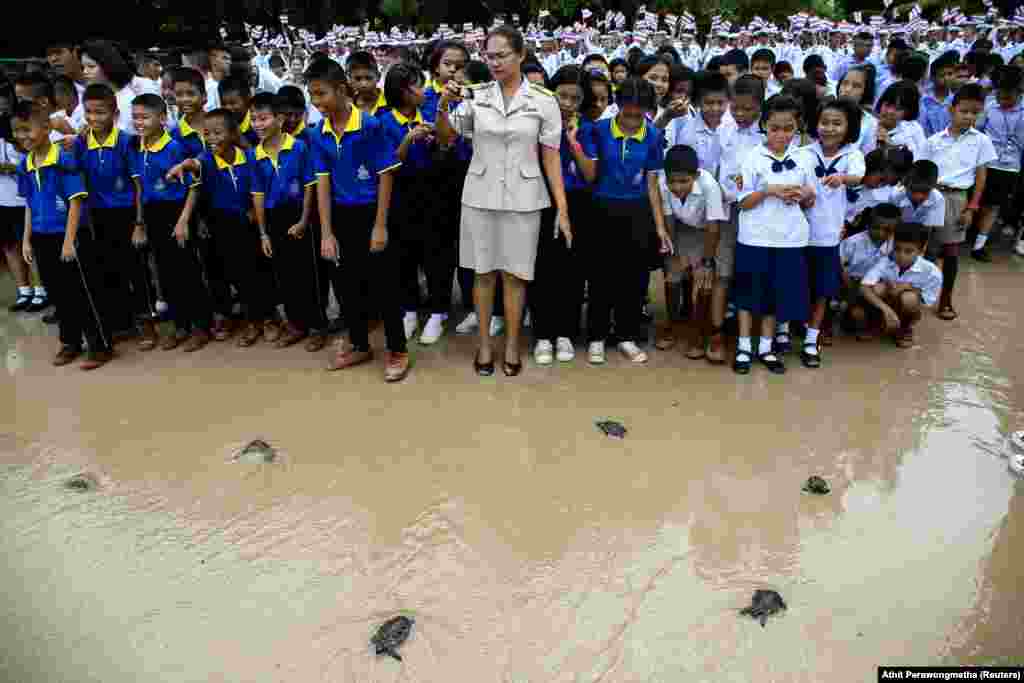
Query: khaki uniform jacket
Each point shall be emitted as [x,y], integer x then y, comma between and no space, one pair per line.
[505,171]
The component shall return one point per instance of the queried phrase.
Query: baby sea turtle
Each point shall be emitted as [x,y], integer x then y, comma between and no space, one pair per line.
[611,428]
[81,482]
[764,604]
[257,451]
[817,485]
[391,635]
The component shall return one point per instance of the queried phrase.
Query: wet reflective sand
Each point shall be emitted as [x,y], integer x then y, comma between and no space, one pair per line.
[528,546]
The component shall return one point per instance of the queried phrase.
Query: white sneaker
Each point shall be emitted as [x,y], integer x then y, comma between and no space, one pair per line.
[497,326]
[544,352]
[566,352]
[469,325]
[411,322]
[1020,248]
[632,352]
[433,330]
[1017,464]
[162,307]
[596,353]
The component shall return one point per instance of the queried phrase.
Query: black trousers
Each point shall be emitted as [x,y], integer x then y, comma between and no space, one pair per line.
[123,267]
[426,232]
[178,267]
[236,258]
[76,288]
[368,282]
[618,256]
[296,266]
[556,293]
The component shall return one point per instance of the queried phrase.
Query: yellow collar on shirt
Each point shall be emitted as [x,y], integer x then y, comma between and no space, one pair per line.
[298,130]
[110,142]
[239,160]
[381,102]
[402,120]
[49,160]
[639,136]
[185,129]
[355,122]
[246,125]
[287,142]
[157,146]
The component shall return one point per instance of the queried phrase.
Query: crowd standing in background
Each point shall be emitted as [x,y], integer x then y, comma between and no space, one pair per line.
[789,186]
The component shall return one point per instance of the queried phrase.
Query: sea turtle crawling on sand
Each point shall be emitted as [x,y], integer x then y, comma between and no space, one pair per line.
[80,482]
[612,428]
[764,604]
[817,485]
[390,636]
[257,451]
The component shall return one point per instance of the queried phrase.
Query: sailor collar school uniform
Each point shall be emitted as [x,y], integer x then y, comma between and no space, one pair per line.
[859,254]
[773,223]
[922,275]
[828,214]
[958,158]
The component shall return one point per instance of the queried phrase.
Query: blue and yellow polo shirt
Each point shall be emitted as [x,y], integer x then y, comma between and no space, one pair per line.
[48,185]
[245,128]
[282,181]
[353,158]
[107,165]
[431,97]
[151,164]
[227,183]
[623,161]
[572,176]
[396,127]
[191,140]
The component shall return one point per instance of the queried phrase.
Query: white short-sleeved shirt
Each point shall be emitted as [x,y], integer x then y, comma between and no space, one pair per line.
[859,254]
[703,205]
[1006,130]
[958,158]
[773,223]
[694,131]
[125,97]
[930,213]
[212,94]
[737,143]
[828,215]
[868,133]
[907,134]
[9,196]
[922,275]
[865,198]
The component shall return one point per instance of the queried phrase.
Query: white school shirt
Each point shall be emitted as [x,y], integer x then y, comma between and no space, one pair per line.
[9,196]
[868,133]
[703,205]
[736,145]
[125,97]
[773,223]
[828,215]
[1006,130]
[867,198]
[693,131]
[859,254]
[930,213]
[907,134]
[212,94]
[922,275]
[958,158]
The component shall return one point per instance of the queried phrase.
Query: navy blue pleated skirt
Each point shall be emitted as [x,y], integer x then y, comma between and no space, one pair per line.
[772,281]
[823,272]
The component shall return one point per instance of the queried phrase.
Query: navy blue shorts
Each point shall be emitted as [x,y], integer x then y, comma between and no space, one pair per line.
[772,281]
[824,272]
[12,224]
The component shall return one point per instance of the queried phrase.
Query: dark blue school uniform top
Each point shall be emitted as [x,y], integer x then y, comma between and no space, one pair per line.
[48,185]
[191,139]
[572,176]
[282,182]
[302,133]
[151,164]
[396,127]
[353,158]
[431,96]
[623,162]
[227,184]
[107,165]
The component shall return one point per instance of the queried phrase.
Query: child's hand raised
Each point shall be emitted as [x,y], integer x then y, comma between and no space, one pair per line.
[834,181]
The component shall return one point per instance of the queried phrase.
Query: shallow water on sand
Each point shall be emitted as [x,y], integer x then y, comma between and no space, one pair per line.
[527,545]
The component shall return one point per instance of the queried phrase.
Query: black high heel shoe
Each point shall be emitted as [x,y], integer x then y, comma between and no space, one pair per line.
[483,369]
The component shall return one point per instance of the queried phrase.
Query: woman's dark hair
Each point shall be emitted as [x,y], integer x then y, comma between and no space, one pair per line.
[570,74]
[109,58]
[681,159]
[847,108]
[478,72]
[617,62]
[514,37]
[805,92]
[868,98]
[438,53]
[903,94]
[637,91]
[400,78]
[751,85]
[535,68]
[587,81]
[708,83]
[781,103]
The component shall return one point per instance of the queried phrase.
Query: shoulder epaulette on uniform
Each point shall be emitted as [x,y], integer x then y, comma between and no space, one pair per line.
[541,89]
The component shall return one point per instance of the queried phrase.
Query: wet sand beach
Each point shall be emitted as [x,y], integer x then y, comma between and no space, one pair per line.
[528,546]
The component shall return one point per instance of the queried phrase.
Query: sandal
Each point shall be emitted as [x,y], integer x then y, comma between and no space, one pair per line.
[716,351]
[773,363]
[947,313]
[905,340]
[741,363]
[666,338]
[809,359]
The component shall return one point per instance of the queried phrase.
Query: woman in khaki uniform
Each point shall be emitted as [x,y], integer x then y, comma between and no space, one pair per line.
[515,127]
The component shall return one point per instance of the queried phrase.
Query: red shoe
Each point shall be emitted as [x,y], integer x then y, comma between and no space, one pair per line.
[348,358]
[96,359]
[397,367]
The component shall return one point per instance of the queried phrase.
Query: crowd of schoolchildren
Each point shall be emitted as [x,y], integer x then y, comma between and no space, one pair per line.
[796,204]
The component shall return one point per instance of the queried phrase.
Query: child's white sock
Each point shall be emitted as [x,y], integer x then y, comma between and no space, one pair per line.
[24,291]
[979,241]
[812,336]
[782,328]
[744,345]
[764,346]
[41,292]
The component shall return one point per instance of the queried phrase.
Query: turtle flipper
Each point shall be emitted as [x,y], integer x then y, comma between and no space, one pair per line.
[391,653]
[764,619]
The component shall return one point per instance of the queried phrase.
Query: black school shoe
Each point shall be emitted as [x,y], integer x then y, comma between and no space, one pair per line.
[810,360]
[776,366]
[782,344]
[981,255]
[39,303]
[741,366]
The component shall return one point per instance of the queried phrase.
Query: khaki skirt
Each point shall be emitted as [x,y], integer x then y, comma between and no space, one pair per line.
[499,240]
